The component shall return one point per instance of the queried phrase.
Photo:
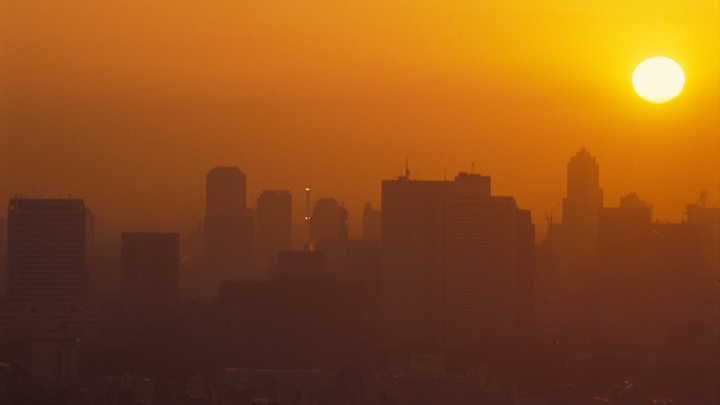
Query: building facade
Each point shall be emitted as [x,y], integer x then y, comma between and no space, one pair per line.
[150,265]
[46,251]
[274,226]
[457,262]
[229,233]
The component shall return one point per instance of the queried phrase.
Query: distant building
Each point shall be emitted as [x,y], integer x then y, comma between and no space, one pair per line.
[581,210]
[300,264]
[150,265]
[649,278]
[225,191]
[372,220]
[328,221]
[274,226]
[55,360]
[706,221]
[229,233]
[46,251]
[457,263]
[3,261]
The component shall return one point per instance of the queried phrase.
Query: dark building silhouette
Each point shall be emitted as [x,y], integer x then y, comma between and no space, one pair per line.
[3,261]
[372,221]
[572,246]
[706,222]
[580,210]
[150,265]
[328,221]
[225,190]
[46,251]
[301,264]
[649,279]
[274,226]
[457,263]
[229,234]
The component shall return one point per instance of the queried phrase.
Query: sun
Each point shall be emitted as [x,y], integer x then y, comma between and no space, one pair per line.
[658,79]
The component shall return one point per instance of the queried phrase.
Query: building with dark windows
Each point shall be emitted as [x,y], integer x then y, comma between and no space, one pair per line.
[229,234]
[274,227]
[457,263]
[150,264]
[46,251]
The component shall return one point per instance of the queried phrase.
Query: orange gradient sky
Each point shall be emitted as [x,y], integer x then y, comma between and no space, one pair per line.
[128,104]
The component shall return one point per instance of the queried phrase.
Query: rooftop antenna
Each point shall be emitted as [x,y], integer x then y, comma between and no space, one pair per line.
[307,217]
[472,167]
[407,171]
[307,203]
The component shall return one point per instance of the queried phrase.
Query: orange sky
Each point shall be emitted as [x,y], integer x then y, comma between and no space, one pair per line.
[128,104]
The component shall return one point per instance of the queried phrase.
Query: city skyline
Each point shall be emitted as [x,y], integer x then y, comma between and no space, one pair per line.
[360,203]
[336,97]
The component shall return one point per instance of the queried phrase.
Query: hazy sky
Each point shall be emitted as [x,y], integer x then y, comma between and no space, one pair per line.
[128,104]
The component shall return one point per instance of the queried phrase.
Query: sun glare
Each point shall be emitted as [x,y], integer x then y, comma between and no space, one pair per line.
[658,79]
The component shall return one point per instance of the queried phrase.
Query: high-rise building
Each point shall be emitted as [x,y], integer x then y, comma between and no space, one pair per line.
[150,264]
[225,191]
[372,220]
[457,263]
[229,233]
[328,221]
[3,262]
[274,226]
[581,210]
[46,251]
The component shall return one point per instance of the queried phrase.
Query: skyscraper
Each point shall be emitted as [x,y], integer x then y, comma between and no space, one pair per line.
[46,251]
[372,219]
[150,265]
[457,262]
[581,210]
[274,225]
[228,227]
[328,221]
[483,267]
[225,192]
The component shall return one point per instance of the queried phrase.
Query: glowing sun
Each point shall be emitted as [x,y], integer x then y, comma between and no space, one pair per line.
[658,79]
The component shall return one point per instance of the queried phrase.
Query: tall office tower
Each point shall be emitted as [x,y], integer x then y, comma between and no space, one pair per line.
[483,266]
[3,261]
[228,227]
[457,262]
[372,220]
[225,192]
[46,251]
[328,221]
[150,265]
[581,210]
[274,226]
[706,222]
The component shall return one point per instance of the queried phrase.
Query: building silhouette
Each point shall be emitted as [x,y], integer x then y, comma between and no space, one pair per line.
[328,221]
[225,190]
[46,251]
[581,210]
[457,263]
[372,220]
[573,244]
[274,226]
[150,265]
[3,261]
[229,234]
